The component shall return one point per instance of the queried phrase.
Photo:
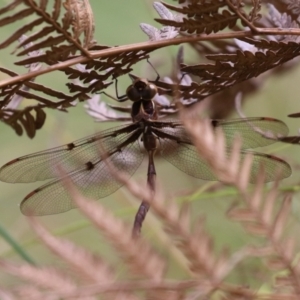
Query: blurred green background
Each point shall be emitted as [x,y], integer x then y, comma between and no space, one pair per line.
[117,23]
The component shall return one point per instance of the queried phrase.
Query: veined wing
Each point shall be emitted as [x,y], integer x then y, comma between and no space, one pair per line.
[247,129]
[185,157]
[41,165]
[87,170]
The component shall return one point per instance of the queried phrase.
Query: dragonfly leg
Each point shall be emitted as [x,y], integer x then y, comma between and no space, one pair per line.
[144,207]
[157,74]
[119,98]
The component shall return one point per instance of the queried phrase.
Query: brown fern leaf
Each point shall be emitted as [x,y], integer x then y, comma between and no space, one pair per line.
[6,294]
[258,217]
[206,24]
[139,256]
[47,278]
[94,73]
[93,76]
[18,89]
[221,104]
[166,295]
[230,69]
[196,246]
[202,17]
[81,14]
[57,53]
[254,13]
[89,267]
[261,217]
[30,119]
[31,292]
[53,32]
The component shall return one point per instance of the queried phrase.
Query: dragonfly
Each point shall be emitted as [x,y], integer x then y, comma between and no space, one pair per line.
[125,147]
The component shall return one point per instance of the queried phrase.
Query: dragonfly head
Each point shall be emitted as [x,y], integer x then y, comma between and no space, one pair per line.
[141,90]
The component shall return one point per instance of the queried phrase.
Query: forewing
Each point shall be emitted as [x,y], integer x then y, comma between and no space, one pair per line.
[73,156]
[176,148]
[248,129]
[96,182]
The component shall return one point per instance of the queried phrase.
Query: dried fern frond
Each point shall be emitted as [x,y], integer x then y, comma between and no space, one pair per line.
[102,112]
[202,17]
[88,266]
[261,216]
[81,14]
[29,119]
[54,32]
[5,294]
[196,244]
[102,63]
[230,69]
[166,32]
[136,253]
[48,278]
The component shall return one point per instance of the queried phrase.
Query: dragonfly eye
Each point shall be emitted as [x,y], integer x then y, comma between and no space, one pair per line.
[149,92]
[141,90]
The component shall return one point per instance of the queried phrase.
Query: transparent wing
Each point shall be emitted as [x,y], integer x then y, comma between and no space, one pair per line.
[176,147]
[186,158]
[85,167]
[41,165]
[98,182]
[245,128]
[248,129]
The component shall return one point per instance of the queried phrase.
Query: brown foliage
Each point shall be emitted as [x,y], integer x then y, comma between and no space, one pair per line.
[241,42]
[58,45]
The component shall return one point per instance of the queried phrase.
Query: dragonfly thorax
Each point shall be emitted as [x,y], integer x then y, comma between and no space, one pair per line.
[143,110]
